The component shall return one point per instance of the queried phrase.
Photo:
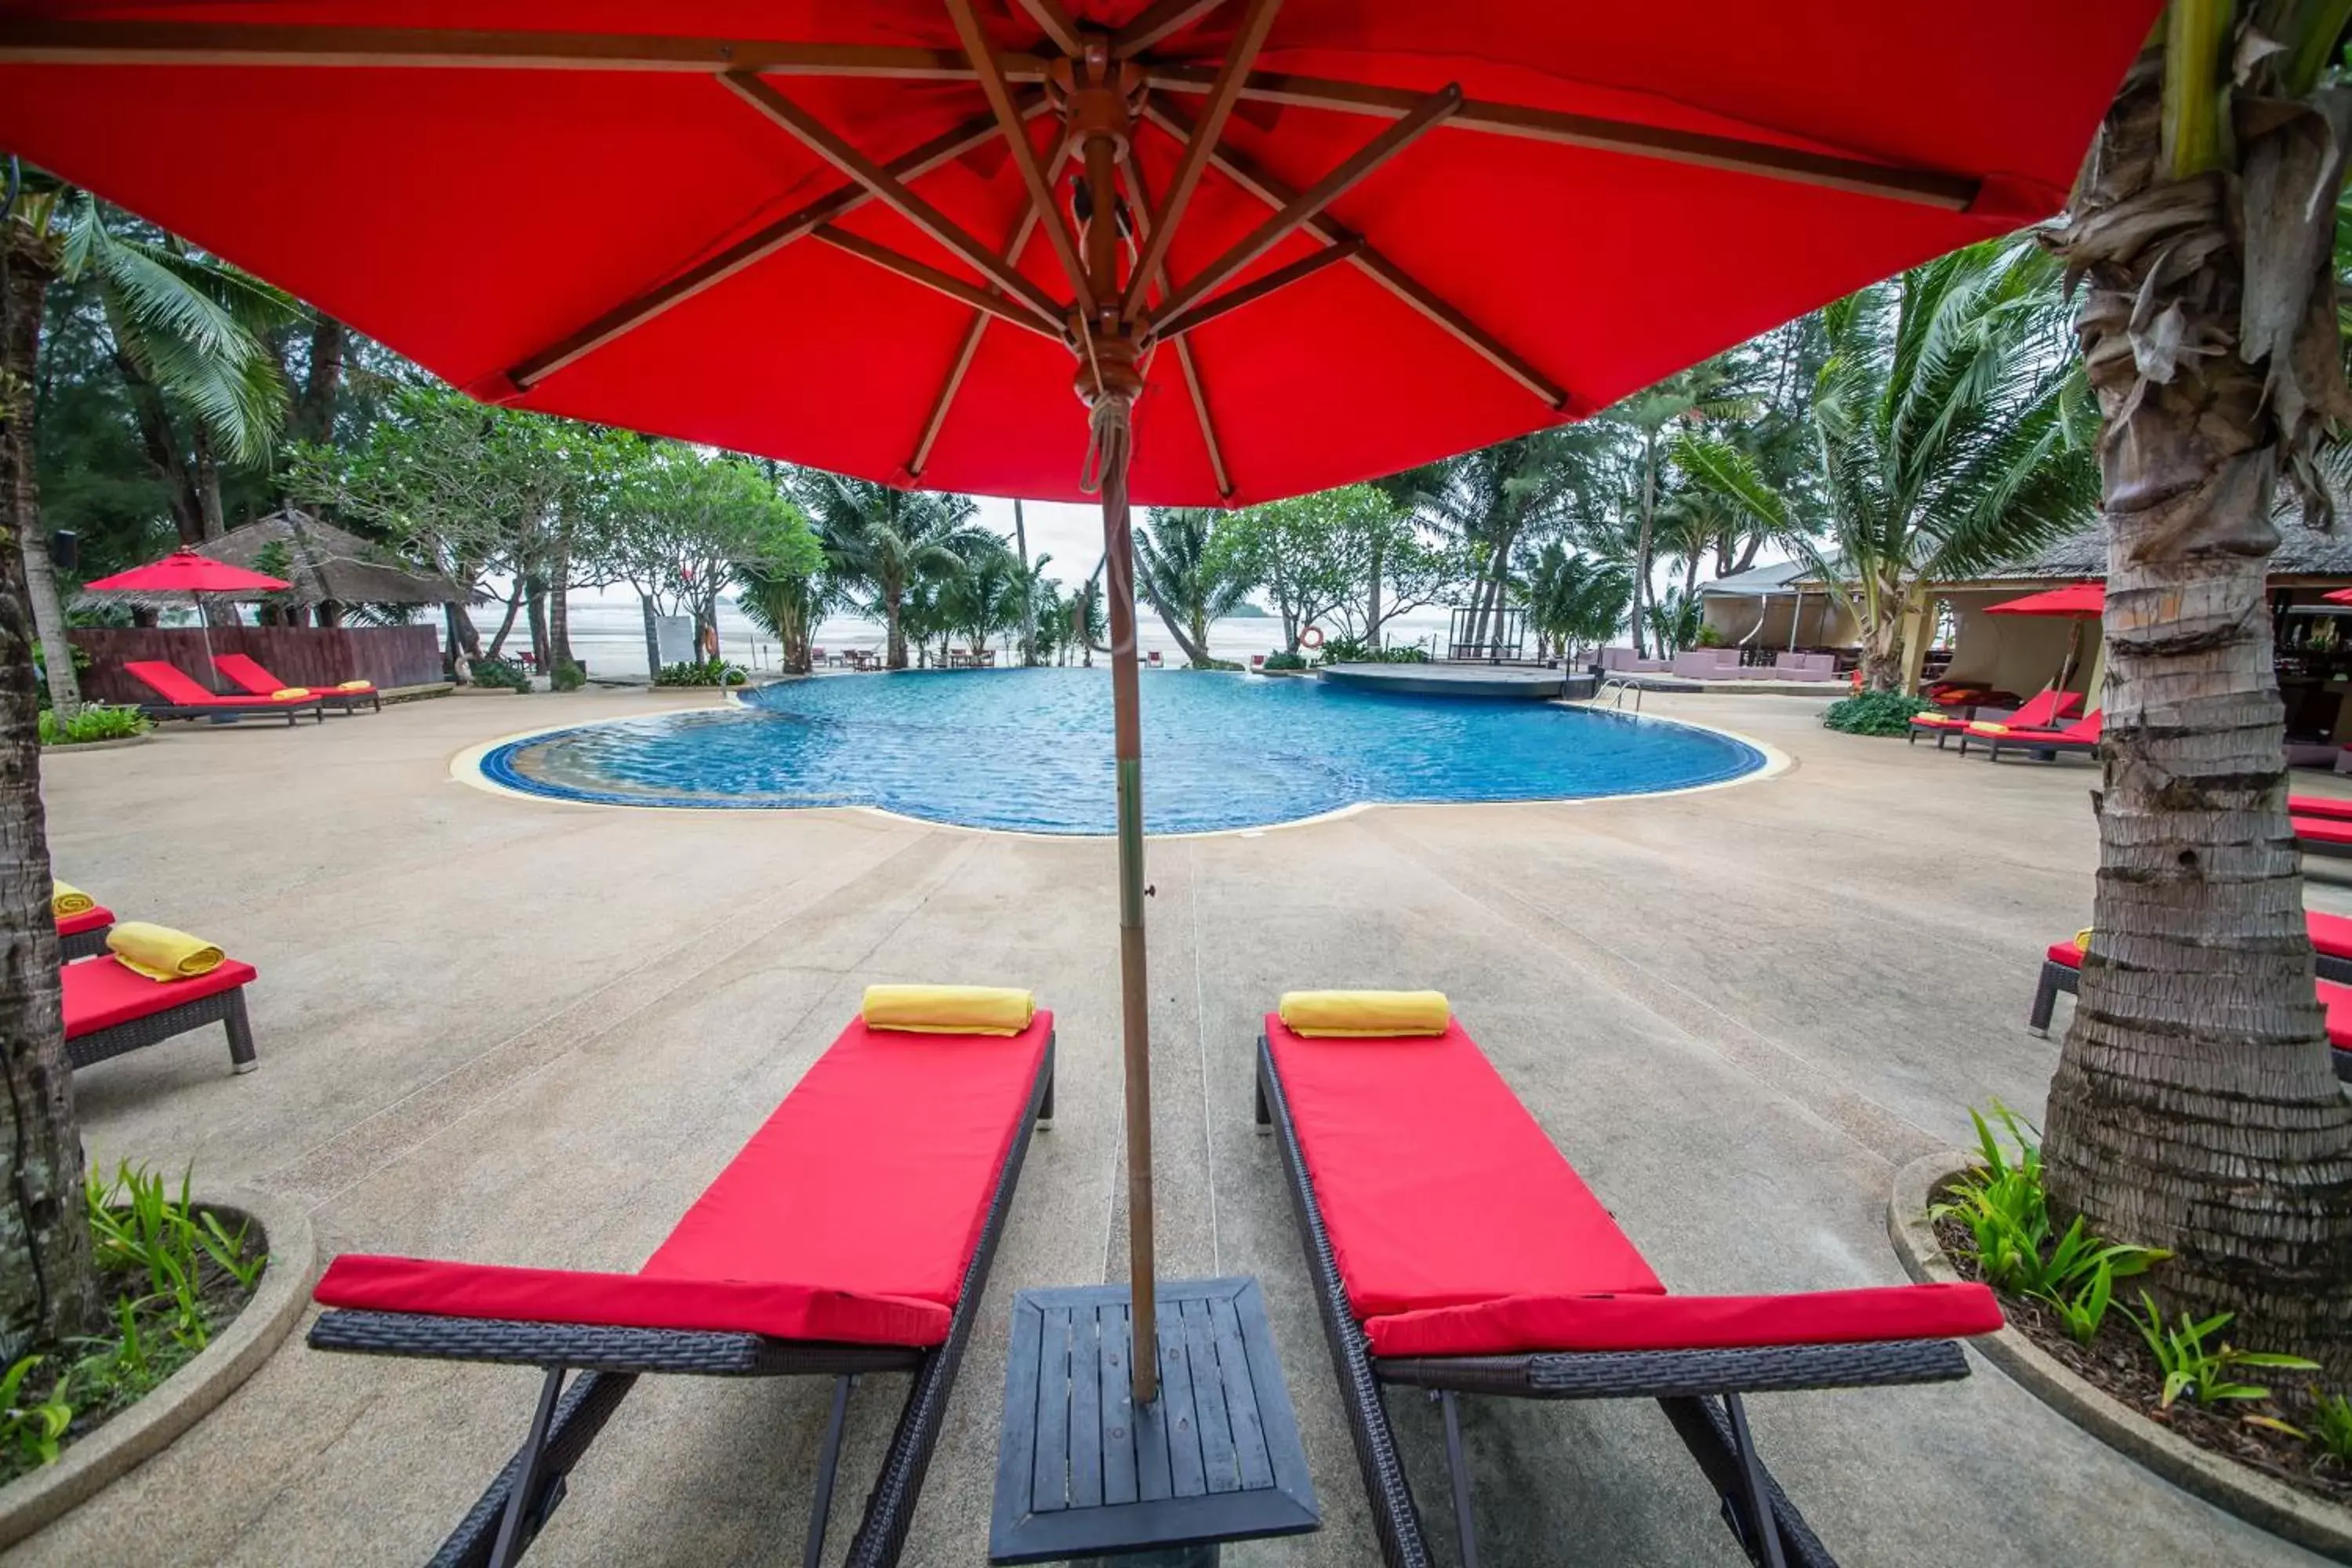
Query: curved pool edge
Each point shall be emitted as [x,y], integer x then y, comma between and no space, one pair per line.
[468,767]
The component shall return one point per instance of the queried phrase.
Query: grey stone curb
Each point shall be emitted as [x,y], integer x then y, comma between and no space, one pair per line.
[31,1501]
[2267,1504]
[114,745]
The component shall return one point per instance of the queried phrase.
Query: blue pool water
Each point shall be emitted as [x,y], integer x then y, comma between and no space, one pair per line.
[1031,750]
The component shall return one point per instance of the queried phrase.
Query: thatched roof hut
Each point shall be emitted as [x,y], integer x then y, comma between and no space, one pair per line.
[327,565]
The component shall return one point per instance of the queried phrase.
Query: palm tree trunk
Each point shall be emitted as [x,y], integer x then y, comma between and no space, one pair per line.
[28,276]
[653,634]
[2194,1106]
[208,490]
[314,417]
[1642,545]
[535,618]
[47,1280]
[895,644]
[1028,591]
[559,608]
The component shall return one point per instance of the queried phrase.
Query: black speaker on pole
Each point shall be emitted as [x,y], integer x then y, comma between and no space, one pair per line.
[65,549]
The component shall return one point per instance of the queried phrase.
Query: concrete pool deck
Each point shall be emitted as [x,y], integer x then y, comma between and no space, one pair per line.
[529,1032]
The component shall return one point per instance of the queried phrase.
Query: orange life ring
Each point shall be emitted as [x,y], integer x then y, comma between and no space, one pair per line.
[1311,638]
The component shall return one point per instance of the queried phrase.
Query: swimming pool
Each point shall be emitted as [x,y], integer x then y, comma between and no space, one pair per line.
[1030,750]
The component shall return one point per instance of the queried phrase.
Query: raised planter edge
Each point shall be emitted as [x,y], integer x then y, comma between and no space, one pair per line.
[2269,1505]
[32,1502]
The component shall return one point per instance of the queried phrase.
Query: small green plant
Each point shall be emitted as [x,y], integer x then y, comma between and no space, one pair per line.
[567,677]
[2195,1364]
[1283,661]
[97,721]
[1875,713]
[1708,637]
[2331,1427]
[31,1430]
[704,672]
[2007,1212]
[501,674]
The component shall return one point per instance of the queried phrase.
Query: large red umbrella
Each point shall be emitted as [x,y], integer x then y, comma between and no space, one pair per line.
[1342,235]
[2081,600]
[185,572]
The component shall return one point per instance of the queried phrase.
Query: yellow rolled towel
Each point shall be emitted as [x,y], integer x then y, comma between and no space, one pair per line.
[355,686]
[949,1009]
[1986,727]
[159,953]
[287,693]
[2082,940]
[65,899]
[1365,1015]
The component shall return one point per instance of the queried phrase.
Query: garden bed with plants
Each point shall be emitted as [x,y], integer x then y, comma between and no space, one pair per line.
[172,1274]
[94,724]
[2083,1302]
[1875,713]
[706,672]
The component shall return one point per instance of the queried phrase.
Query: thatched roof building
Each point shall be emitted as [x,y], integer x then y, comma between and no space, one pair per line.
[327,565]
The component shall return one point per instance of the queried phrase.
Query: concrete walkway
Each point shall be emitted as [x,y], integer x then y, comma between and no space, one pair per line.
[526,1032]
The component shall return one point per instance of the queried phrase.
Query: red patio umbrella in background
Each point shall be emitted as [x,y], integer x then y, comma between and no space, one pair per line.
[184,572]
[2077,601]
[1271,248]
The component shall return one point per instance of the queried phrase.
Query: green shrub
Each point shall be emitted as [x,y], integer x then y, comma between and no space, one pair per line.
[704,672]
[1875,713]
[97,721]
[2331,1427]
[1708,637]
[1355,650]
[31,1430]
[1283,661]
[567,677]
[2206,1372]
[500,674]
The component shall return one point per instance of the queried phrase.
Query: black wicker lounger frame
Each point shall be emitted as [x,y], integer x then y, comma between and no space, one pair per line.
[1699,1389]
[314,706]
[2326,848]
[2057,977]
[221,1007]
[509,1515]
[82,943]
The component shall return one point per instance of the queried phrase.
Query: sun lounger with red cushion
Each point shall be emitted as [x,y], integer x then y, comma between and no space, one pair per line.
[111,1008]
[2331,951]
[1454,1249]
[2319,806]
[2328,836]
[84,935]
[247,675]
[183,699]
[853,1234]
[2040,710]
[2081,736]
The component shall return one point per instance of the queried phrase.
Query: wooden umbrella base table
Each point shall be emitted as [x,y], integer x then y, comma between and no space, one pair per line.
[1084,1473]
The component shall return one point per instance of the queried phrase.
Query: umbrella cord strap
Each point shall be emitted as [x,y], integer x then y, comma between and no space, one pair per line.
[1108,436]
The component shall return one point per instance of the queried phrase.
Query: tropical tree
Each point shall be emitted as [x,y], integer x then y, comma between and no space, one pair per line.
[1189,580]
[1951,429]
[1085,619]
[692,524]
[984,595]
[1575,601]
[1676,617]
[1717,388]
[881,539]
[1312,555]
[1490,501]
[2194,1106]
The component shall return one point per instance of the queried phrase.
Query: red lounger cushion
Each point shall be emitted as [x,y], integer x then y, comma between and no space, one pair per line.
[2337,1000]
[1520,1324]
[2319,806]
[1437,1187]
[868,1187]
[2331,936]
[100,993]
[2321,829]
[627,1301]
[2066,953]
[97,917]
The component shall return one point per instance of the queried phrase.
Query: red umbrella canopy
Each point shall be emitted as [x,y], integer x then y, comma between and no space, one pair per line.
[2078,599]
[663,216]
[185,572]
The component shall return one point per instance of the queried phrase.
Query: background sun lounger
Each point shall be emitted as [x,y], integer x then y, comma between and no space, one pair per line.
[852,1233]
[249,676]
[2040,710]
[2328,836]
[2331,944]
[1454,1248]
[2081,736]
[111,1009]
[183,699]
[84,935]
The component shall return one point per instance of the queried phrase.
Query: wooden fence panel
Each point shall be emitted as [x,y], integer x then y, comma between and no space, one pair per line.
[298,655]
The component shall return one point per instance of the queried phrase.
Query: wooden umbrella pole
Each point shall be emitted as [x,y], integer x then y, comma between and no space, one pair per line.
[1098,93]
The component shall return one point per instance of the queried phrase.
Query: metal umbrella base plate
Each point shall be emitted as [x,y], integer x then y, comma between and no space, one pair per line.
[1083,1473]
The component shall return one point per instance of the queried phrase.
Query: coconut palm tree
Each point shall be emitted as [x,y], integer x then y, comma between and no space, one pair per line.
[1493,498]
[1713,389]
[881,540]
[1574,600]
[2193,1106]
[984,597]
[1951,428]
[1187,581]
